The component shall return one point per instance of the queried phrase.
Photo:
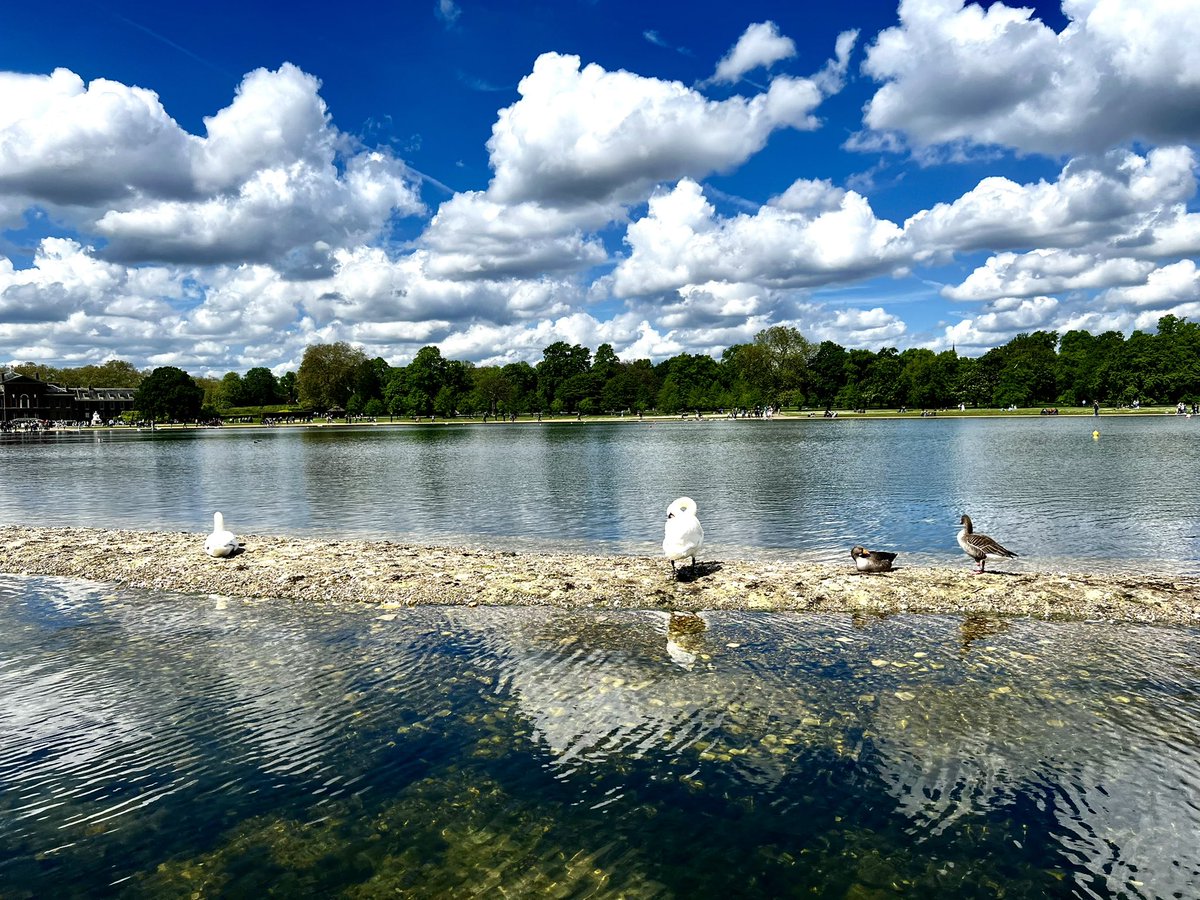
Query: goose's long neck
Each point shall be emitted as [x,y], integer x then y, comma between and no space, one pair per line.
[218,522]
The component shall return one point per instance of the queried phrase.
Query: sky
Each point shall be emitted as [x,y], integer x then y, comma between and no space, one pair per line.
[217,186]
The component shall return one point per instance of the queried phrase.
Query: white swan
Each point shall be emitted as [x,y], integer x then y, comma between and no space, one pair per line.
[683,535]
[221,542]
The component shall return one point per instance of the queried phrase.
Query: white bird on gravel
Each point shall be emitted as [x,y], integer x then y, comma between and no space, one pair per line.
[221,542]
[683,535]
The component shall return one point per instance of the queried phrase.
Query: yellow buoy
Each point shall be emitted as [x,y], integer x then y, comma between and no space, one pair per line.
[1096,435]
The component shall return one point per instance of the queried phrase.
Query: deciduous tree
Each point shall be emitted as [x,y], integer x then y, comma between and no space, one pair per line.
[169,393]
[326,375]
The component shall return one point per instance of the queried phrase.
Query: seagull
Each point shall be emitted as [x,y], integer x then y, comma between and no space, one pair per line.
[979,546]
[683,534]
[685,638]
[872,560]
[221,542]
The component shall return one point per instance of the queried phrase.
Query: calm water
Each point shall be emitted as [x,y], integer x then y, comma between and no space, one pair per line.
[809,488]
[158,745]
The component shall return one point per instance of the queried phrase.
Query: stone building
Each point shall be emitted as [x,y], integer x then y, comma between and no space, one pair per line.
[24,398]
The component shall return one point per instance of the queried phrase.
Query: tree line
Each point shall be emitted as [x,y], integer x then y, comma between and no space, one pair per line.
[779,368]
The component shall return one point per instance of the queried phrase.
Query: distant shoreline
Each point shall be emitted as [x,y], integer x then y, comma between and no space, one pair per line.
[390,575]
[789,416]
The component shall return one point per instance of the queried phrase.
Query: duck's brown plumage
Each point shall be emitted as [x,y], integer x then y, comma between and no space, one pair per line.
[872,560]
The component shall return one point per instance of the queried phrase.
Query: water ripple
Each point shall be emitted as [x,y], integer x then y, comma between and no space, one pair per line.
[153,740]
[798,489]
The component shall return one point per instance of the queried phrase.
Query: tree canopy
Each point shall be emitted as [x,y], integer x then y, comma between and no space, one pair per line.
[779,367]
[169,393]
[327,375]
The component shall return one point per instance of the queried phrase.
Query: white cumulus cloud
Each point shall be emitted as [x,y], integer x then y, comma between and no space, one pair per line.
[591,135]
[681,240]
[1121,71]
[760,46]
[1094,200]
[270,181]
[472,236]
[1046,272]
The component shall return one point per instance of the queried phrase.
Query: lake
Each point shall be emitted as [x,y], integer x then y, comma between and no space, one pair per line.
[808,489]
[163,745]
[157,745]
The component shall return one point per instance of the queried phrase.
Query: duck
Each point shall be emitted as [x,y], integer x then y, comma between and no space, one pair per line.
[979,546]
[872,560]
[683,535]
[221,542]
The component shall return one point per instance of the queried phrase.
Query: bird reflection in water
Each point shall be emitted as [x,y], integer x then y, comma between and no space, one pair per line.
[977,626]
[685,638]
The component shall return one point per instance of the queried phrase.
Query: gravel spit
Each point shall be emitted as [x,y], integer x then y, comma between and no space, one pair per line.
[387,574]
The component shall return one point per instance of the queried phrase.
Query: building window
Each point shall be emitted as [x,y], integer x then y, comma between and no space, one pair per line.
[24,404]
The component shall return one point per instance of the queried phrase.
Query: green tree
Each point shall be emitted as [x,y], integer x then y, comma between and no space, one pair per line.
[169,393]
[232,392]
[606,369]
[693,382]
[113,373]
[1178,363]
[492,390]
[748,379]
[856,371]
[260,387]
[1077,369]
[827,373]
[560,361]
[212,393]
[787,353]
[425,376]
[1109,353]
[523,378]
[118,373]
[370,376]
[978,378]
[1027,376]
[326,375]
[882,385]
[287,387]
[917,383]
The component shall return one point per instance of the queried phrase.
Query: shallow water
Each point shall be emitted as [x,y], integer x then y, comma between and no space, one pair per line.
[157,745]
[807,489]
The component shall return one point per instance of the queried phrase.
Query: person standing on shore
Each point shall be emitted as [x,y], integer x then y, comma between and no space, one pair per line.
[1095,407]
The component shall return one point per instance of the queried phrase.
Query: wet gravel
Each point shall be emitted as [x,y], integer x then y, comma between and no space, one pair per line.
[389,574]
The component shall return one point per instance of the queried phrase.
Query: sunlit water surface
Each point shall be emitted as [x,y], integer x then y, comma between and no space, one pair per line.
[156,745]
[806,489]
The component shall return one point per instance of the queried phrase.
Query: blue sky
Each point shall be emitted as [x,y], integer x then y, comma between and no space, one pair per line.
[217,186]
